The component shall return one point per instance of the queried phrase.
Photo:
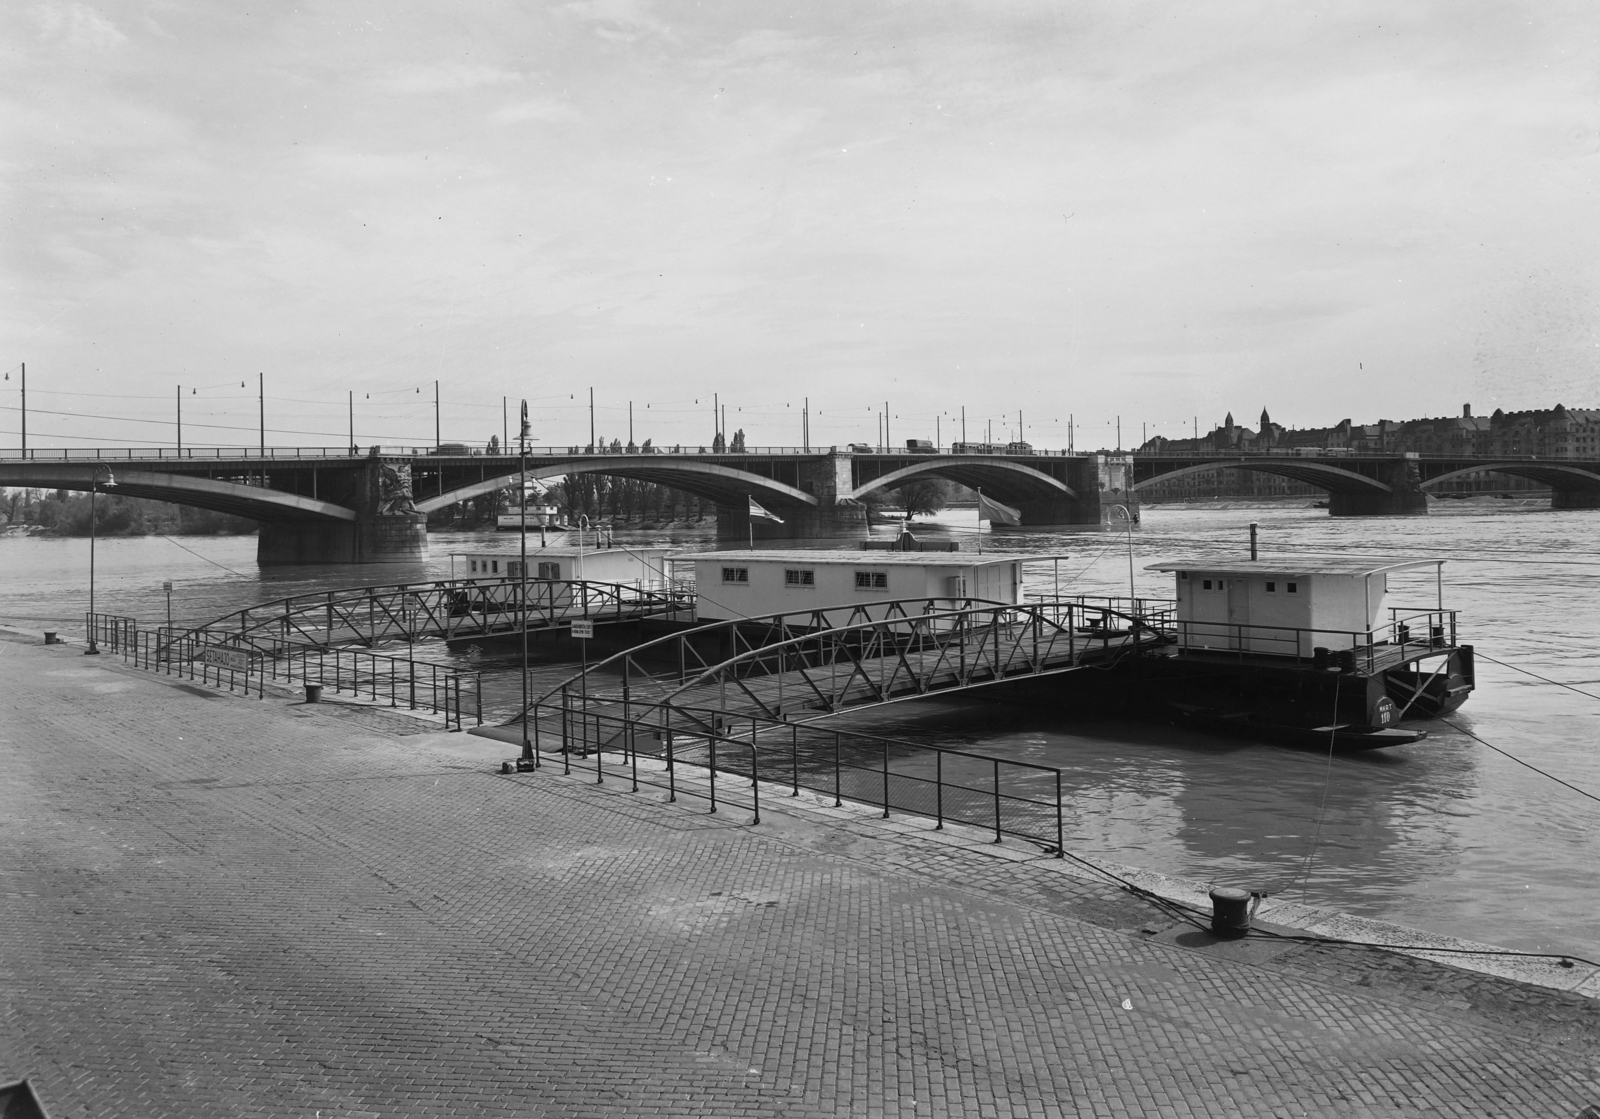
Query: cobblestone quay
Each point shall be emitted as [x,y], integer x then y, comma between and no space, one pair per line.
[223,906]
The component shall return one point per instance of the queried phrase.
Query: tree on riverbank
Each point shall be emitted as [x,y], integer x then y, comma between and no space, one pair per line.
[66,513]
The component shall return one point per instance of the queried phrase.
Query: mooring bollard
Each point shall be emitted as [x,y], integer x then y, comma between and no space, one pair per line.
[1230,912]
[50,637]
[313,693]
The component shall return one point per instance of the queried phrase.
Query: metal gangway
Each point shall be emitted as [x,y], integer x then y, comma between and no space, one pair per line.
[722,709]
[806,665]
[446,609]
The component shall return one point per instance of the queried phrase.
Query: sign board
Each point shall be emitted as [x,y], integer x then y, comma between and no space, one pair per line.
[167,587]
[582,628]
[221,657]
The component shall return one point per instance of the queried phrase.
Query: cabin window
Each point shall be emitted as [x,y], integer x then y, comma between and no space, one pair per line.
[496,566]
[1183,575]
[872,580]
[474,565]
[549,571]
[513,568]
[1272,587]
[799,577]
[735,574]
[1291,588]
[1213,584]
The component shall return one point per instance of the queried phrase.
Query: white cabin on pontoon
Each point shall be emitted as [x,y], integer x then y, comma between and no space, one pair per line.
[749,584]
[1287,606]
[642,568]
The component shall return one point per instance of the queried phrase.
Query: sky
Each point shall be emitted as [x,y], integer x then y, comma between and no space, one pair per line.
[1161,212]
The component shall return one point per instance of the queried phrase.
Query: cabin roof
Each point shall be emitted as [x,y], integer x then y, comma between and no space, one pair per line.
[559,550]
[864,558]
[1353,566]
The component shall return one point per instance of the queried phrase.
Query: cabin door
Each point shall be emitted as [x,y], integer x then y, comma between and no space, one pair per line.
[1238,613]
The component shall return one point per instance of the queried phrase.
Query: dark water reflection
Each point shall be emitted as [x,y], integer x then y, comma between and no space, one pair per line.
[1444,834]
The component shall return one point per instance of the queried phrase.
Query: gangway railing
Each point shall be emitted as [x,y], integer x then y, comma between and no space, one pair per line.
[734,761]
[810,664]
[450,609]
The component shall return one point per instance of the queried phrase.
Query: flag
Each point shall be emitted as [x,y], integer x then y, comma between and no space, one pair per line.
[759,514]
[996,513]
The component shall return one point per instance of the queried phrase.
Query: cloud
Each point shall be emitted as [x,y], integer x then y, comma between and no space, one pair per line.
[447,78]
[78,26]
[619,20]
[550,112]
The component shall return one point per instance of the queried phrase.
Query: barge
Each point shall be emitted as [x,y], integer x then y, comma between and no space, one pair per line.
[1304,650]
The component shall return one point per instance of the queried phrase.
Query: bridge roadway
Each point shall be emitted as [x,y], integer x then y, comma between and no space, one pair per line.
[808,665]
[345,505]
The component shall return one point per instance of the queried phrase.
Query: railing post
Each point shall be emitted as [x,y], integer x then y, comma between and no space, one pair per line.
[997,800]
[755,784]
[566,731]
[477,693]
[672,773]
[885,778]
[599,749]
[938,790]
[711,741]
[837,799]
[794,755]
[1061,843]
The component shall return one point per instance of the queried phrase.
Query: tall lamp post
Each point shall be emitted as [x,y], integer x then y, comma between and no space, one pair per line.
[522,593]
[102,477]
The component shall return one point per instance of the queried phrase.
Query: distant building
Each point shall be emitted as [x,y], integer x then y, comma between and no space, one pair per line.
[1555,433]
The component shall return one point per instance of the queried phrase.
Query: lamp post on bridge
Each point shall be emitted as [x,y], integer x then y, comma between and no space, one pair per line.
[102,477]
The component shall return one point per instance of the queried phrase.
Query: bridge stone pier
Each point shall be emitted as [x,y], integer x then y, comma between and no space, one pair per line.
[1099,484]
[386,528]
[1405,496]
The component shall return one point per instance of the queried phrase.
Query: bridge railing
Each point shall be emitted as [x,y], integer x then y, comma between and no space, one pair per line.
[692,753]
[463,450]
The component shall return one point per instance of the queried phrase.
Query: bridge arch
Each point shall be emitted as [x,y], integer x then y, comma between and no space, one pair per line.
[255,502]
[1321,475]
[1003,478]
[1550,473]
[725,485]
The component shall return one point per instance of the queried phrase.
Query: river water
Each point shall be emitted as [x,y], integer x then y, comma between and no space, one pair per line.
[1446,834]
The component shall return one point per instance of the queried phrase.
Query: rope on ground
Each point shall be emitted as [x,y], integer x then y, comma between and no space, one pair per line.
[1519,761]
[1327,780]
[1535,675]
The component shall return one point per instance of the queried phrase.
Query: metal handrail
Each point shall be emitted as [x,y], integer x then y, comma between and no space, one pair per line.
[1437,627]
[798,756]
[947,628]
[469,602]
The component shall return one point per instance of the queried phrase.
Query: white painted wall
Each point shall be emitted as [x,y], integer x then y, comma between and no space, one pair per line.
[767,591]
[1329,608]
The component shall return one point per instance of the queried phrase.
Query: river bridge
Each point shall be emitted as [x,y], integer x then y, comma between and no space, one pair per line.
[354,505]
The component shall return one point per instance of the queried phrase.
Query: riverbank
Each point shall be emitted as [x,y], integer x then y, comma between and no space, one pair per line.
[243,906]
